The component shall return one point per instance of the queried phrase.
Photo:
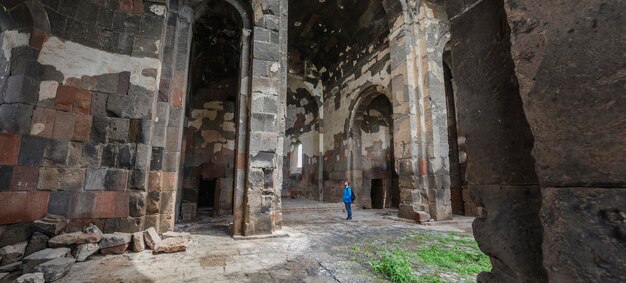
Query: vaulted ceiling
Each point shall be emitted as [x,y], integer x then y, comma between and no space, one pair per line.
[321,30]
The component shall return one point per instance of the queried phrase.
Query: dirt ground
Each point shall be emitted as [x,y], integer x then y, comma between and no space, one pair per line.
[315,248]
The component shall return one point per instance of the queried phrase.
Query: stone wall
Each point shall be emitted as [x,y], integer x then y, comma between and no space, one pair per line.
[304,125]
[543,121]
[77,112]
[92,111]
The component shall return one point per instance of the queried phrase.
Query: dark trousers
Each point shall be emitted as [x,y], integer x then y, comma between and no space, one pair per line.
[349,209]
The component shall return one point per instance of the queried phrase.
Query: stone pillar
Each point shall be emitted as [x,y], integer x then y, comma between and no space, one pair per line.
[266,119]
[501,170]
[571,75]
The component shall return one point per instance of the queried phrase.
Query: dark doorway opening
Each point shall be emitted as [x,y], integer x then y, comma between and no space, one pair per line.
[378,194]
[207,196]
[456,168]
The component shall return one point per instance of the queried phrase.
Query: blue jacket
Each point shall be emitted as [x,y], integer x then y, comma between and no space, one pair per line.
[347,194]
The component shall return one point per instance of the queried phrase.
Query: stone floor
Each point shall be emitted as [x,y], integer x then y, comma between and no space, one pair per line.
[315,250]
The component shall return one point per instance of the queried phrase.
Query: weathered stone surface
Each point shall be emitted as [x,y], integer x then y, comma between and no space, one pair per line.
[86,250]
[65,239]
[172,245]
[3,275]
[31,278]
[584,234]
[55,269]
[138,242]
[13,253]
[48,254]
[116,239]
[38,242]
[120,249]
[93,231]
[423,217]
[151,238]
[11,267]
[13,234]
[51,224]
[171,234]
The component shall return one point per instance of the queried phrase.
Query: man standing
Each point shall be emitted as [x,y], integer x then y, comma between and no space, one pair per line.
[347,198]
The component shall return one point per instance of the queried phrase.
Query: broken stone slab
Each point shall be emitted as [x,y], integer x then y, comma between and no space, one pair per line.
[32,261]
[31,278]
[55,269]
[93,229]
[51,224]
[151,237]
[86,250]
[139,244]
[48,254]
[64,240]
[3,275]
[172,245]
[38,242]
[13,253]
[117,250]
[114,240]
[11,267]
[422,217]
[170,234]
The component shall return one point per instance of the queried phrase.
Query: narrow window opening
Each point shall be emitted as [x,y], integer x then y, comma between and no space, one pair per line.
[299,156]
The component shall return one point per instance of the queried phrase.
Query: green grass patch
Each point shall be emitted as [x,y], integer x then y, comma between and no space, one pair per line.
[425,257]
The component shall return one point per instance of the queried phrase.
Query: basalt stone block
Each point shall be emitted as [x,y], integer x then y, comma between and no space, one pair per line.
[171,245]
[153,203]
[99,104]
[60,203]
[23,179]
[84,251]
[38,242]
[36,277]
[137,180]
[5,178]
[123,83]
[15,118]
[57,152]
[266,51]
[13,253]
[116,180]
[156,163]
[55,269]
[21,89]
[109,155]
[137,204]
[139,244]
[32,151]
[43,122]
[151,237]
[143,154]
[115,239]
[51,224]
[118,130]
[139,130]
[84,155]
[95,179]
[116,250]
[64,123]
[155,181]
[126,156]
[82,129]
[10,144]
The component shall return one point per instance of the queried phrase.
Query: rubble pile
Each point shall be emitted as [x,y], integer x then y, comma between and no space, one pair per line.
[48,253]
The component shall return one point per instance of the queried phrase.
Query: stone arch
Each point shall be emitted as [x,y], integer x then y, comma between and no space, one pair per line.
[355,169]
[242,108]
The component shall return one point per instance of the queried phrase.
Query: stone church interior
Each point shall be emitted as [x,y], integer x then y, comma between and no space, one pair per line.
[210,140]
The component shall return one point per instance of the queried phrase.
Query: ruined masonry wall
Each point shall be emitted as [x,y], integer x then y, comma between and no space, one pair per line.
[339,102]
[304,126]
[78,126]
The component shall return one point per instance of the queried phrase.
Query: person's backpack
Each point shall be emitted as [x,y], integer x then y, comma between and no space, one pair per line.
[353,197]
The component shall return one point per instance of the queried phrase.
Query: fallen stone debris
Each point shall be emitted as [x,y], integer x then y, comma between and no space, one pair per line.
[48,253]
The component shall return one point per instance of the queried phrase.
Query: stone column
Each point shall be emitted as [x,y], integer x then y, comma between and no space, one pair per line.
[266,119]
[571,75]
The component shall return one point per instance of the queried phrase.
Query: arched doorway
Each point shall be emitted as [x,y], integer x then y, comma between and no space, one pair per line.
[216,110]
[371,152]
